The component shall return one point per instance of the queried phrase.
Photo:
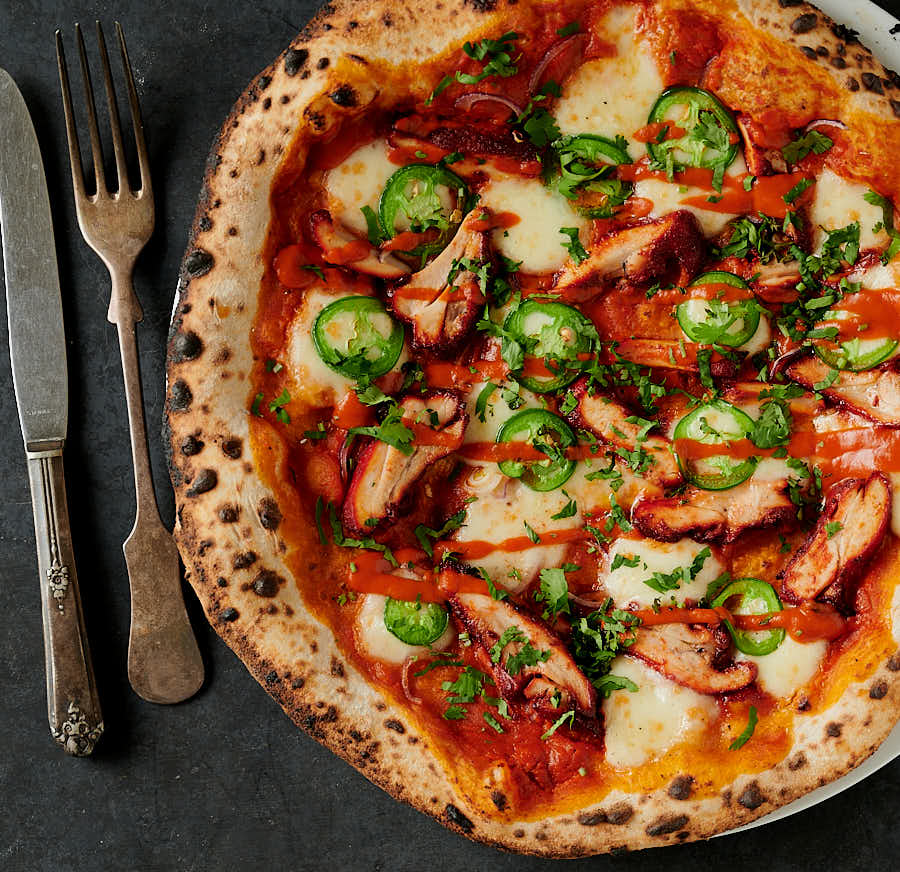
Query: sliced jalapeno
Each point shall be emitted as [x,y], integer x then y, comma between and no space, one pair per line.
[555,332]
[412,200]
[716,322]
[586,158]
[415,623]
[715,422]
[708,130]
[856,355]
[356,337]
[750,596]
[548,433]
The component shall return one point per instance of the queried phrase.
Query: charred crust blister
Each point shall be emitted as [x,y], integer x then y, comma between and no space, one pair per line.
[186,346]
[395,725]
[232,448]
[499,799]
[295,59]
[751,797]
[455,817]
[833,730]
[344,96]
[204,481]
[191,446]
[228,514]
[893,663]
[681,787]
[804,23]
[667,825]
[267,583]
[878,690]
[798,761]
[229,615]
[269,514]
[180,396]
[244,559]
[198,263]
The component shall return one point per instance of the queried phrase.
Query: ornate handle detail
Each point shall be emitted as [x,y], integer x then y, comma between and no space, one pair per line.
[72,704]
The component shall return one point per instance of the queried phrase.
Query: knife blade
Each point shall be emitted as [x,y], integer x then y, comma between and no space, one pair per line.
[38,358]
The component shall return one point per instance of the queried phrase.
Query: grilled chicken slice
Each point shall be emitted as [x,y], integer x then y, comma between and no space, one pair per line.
[670,247]
[694,655]
[486,620]
[442,301]
[669,354]
[715,516]
[342,248]
[776,282]
[874,394]
[384,474]
[849,530]
[608,420]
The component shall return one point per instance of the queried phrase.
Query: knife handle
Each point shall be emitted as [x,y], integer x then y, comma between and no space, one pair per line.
[73,707]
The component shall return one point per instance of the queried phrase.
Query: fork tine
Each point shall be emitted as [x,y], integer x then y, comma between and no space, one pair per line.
[71,131]
[96,148]
[115,127]
[136,122]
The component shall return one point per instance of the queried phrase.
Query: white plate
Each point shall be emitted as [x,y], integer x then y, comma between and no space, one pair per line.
[873,25]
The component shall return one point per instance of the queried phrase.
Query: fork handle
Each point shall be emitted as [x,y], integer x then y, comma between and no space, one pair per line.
[72,704]
[164,662]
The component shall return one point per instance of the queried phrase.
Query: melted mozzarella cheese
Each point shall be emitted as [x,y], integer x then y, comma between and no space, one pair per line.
[880,276]
[625,584]
[502,507]
[535,240]
[839,202]
[374,638]
[356,182]
[644,724]
[613,95]
[789,667]
[314,383]
[496,413]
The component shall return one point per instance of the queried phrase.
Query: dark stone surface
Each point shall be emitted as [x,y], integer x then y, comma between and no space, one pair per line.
[225,781]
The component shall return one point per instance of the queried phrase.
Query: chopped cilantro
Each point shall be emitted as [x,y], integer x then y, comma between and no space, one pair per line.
[573,246]
[814,142]
[566,716]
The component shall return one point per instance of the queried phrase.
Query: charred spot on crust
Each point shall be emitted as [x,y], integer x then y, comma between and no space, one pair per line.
[872,83]
[244,559]
[455,817]
[878,690]
[228,615]
[205,224]
[821,51]
[804,23]
[359,59]
[180,396]
[681,787]
[191,445]
[665,825]
[499,800]
[198,263]
[833,729]
[343,95]
[803,704]
[838,63]
[316,119]
[894,663]
[852,84]
[271,677]
[297,683]
[294,59]
[221,581]
[205,481]
[809,52]
[337,669]
[232,448]
[482,5]
[751,796]
[186,346]
[617,814]
[267,583]
[322,63]
[395,725]
[228,514]
[844,33]
[269,514]
[798,761]
[785,4]
[264,82]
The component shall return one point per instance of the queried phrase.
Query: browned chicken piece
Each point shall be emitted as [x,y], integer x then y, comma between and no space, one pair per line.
[384,474]
[608,420]
[694,655]
[874,394]
[670,247]
[671,354]
[442,302]
[715,516]
[487,619]
[847,534]
[761,161]
[340,247]
[776,282]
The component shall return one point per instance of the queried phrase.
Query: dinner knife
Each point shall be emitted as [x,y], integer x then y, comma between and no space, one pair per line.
[38,354]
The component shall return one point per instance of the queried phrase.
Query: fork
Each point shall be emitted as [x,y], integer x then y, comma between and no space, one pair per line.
[164,663]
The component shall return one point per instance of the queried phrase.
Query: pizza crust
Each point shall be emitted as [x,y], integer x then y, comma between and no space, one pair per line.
[228,523]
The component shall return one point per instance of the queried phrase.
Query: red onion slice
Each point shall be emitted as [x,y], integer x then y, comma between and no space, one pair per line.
[550,55]
[586,603]
[824,122]
[404,680]
[467,101]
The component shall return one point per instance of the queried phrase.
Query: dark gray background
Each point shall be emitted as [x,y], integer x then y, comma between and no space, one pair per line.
[224,781]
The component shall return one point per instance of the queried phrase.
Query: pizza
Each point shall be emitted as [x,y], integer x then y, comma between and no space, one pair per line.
[534,407]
